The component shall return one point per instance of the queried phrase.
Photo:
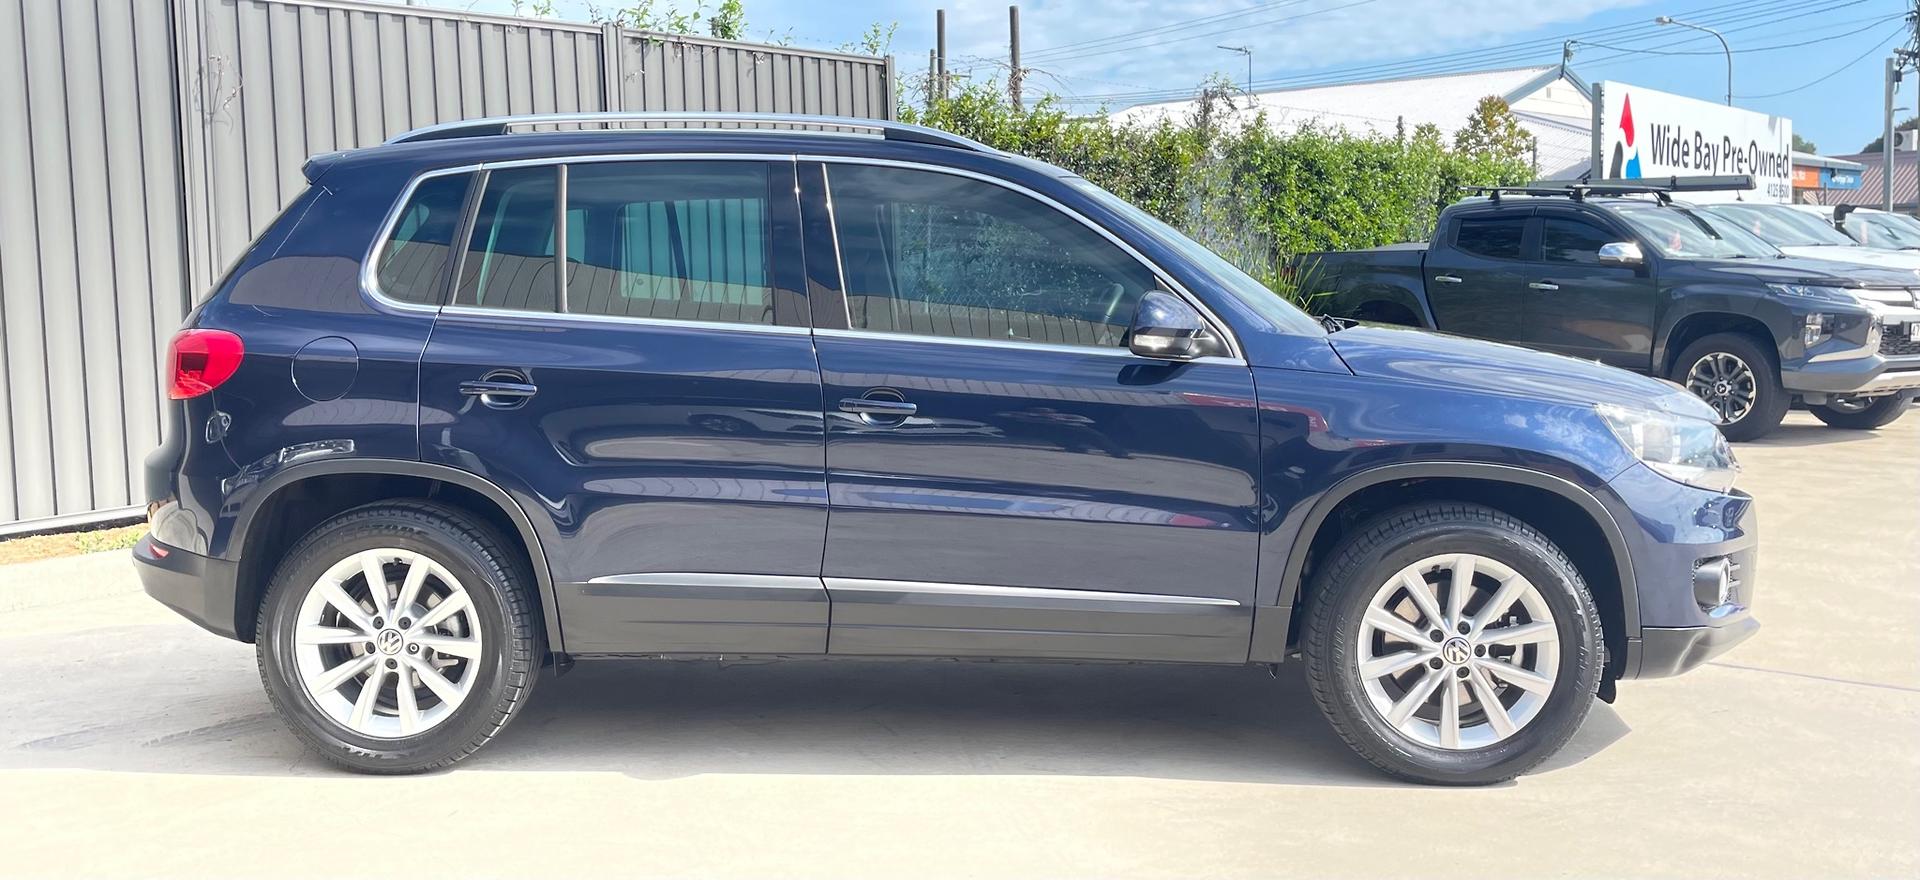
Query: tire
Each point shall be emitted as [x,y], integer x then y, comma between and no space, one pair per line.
[1769,401]
[1340,636]
[1865,415]
[485,651]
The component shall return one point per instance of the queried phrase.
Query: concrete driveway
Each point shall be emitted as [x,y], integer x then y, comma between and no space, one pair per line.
[133,744]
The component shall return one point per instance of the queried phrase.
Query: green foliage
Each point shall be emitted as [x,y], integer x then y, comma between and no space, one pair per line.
[1495,133]
[877,39]
[1803,145]
[729,21]
[1224,177]
[1875,145]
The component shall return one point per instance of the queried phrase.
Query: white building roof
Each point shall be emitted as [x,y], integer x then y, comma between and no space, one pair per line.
[1551,103]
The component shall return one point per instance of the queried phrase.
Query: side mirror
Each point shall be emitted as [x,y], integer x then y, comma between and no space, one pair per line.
[1165,327]
[1621,253]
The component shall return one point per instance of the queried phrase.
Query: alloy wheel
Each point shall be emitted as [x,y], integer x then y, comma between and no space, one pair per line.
[387,643]
[1458,651]
[1726,383]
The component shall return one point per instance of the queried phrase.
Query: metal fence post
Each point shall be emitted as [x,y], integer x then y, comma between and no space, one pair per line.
[612,42]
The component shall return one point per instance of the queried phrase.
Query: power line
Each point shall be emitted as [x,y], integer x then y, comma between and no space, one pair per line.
[1837,71]
[1131,36]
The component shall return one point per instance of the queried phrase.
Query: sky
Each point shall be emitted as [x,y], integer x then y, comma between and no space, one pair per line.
[1818,62]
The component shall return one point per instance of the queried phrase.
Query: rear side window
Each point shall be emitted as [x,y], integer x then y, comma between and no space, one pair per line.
[1565,240]
[944,255]
[1496,237]
[415,260]
[669,239]
[509,262]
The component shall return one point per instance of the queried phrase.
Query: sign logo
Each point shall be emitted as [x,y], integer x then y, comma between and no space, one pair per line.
[389,641]
[1456,652]
[1631,166]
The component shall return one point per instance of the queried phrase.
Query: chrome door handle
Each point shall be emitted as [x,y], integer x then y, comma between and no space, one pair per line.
[1543,285]
[1447,279]
[499,390]
[867,406]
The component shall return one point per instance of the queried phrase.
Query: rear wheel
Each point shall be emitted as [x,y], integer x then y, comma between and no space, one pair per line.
[1452,644]
[399,637]
[1737,377]
[1862,413]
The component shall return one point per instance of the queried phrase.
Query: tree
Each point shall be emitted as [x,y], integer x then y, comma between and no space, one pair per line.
[1875,145]
[1803,145]
[1494,133]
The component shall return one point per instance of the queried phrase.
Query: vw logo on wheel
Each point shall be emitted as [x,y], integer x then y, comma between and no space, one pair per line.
[389,641]
[1456,652]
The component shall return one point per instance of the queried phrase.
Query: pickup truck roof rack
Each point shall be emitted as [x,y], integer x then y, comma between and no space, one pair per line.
[496,125]
[1661,188]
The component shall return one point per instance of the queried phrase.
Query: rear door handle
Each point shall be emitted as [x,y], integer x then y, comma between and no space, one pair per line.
[1543,285]
[499,390]
[1447,279]
[867,406]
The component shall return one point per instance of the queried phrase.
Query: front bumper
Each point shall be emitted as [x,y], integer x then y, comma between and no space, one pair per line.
[1871,354]
[199,588]
[1664,651]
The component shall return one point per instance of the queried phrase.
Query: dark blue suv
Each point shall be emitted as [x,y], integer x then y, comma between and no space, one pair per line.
[502,395]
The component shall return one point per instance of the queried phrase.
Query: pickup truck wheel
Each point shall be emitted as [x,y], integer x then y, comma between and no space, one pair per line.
[1452,644]
[399,637]
[1862,413]
[1737,377]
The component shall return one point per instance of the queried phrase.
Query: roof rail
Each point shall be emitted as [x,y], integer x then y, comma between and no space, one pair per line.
[1661,188]
[495,125]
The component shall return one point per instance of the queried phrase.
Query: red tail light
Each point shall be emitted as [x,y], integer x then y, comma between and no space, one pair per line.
[201,360]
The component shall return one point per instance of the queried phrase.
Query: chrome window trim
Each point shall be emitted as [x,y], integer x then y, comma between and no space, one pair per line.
[560,318]
[1219,326]
[369,265]
[988,591]
[1018,345]
[712,579]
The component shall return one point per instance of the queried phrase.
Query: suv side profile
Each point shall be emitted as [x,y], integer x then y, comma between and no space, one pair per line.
[484,402]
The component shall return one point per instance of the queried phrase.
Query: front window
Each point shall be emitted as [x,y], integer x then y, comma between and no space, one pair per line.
[1676,231]
[1781,226]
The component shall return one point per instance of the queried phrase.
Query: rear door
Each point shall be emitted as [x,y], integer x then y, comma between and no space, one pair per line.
[1476,272]
[655,408]
[1576,306]
[1007,479]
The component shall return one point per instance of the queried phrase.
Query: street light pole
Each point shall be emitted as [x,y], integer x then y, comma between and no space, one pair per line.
[1666,19]
[1249,53]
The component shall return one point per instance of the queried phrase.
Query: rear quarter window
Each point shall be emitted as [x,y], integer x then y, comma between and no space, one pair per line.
[417,254]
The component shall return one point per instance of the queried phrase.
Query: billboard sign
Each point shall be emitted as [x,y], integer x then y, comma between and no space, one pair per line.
[1639,132]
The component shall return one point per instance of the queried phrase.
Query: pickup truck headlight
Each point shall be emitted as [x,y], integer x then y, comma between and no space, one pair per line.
[1819,292]
[1683,449]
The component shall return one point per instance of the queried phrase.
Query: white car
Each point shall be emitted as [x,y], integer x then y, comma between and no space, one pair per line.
[1870,226]
[1801,233]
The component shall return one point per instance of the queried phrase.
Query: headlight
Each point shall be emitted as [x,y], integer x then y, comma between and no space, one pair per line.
[1686,450]
[1841,295]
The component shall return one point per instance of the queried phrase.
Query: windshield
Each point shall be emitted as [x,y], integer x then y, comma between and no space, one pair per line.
[1883,230]
[1242,286]
[1681,232]
[1781,226]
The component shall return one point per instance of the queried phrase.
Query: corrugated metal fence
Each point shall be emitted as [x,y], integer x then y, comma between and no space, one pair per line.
[148,141]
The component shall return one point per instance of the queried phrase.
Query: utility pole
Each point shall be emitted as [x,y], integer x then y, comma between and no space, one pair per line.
[1886,137]
[940,45]
[933,76]
[1014,72]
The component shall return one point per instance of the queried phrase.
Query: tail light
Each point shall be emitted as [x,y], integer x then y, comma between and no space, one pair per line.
[201,360]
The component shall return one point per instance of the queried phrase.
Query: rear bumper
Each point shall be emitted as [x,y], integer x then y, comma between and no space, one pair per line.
[199,588]
[1664,651]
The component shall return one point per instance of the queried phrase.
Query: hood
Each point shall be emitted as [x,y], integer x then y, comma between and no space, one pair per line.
[1853,256]
[1802,270]
[1425,357]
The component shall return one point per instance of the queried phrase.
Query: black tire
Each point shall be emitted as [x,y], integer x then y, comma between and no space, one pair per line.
[1770,401]
[1877,413]
[499,583]
[1379,549]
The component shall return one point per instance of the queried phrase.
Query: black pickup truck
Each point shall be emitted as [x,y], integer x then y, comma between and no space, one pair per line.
[1647,284]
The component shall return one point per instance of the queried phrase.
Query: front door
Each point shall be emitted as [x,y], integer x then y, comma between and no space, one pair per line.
[1476,274]
[655,409]
[1576,306]
[1006,478]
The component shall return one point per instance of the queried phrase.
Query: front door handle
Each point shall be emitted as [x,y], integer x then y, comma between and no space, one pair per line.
[884,409]
[1543,285]
[500,390]
[1447,279]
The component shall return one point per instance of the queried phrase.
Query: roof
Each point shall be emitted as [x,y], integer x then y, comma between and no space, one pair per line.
[1906,180]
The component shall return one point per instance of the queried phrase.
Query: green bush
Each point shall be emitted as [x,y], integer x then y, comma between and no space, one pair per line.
[1257,197]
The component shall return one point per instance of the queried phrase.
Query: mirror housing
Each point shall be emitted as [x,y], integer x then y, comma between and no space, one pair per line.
[1165,327]
[1621,253]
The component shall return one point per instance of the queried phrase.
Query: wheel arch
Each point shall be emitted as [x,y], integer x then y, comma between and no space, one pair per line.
[1693,327]
[249,532]
[1522,492]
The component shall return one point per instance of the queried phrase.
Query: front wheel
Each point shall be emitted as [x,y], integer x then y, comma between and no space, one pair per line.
[1452,644]
[399,637]
[1735,376]
[1862,413]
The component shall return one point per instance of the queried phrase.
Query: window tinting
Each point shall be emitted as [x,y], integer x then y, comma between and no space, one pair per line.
[669,239]
[1497,237]
[413,265]
[943,255]
[509,261]
[1572,241]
